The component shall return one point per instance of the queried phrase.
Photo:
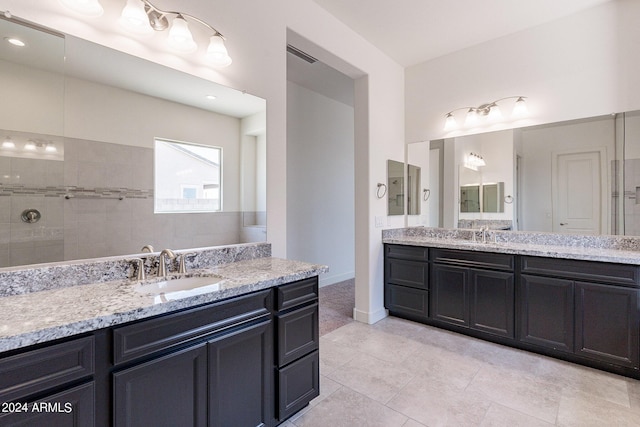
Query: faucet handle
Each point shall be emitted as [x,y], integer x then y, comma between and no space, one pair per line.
[140,274]
[183,267]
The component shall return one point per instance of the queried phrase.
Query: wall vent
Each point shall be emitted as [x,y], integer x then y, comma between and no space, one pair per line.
[300,54]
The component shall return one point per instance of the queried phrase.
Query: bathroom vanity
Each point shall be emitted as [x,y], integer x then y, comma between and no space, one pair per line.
[554,295]
[242,351]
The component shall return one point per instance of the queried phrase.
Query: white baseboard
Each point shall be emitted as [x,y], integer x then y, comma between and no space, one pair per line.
[335,278]
[370,317]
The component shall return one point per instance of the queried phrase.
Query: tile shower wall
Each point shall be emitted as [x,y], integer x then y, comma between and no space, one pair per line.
[97,202]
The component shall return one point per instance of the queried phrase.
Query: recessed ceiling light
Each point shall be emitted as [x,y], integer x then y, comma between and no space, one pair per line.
[16,42]
[211,97]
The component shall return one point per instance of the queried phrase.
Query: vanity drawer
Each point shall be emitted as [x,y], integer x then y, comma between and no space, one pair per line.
[298,384]
[415,253]
[38,370]
[622,274]
[477,259]
[296,293]
[152,335]
[297,334]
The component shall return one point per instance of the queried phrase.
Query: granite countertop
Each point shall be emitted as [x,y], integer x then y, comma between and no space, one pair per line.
[623,250]
[46,315]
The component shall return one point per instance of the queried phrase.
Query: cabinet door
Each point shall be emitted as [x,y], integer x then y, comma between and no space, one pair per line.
[169,391]
[69,408]
[240,375]
[450,294]
[607,323]
[546,316]
[492,302]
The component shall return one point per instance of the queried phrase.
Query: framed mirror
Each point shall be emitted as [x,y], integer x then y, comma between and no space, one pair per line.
[469,198]
[395,187]
[493,197]
[92,115]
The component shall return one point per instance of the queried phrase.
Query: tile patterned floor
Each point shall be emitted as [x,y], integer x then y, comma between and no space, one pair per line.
[400,373]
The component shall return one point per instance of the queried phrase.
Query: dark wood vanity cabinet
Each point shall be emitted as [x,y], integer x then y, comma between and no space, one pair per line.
[406,273]
[297,356]
[473,290]
[49,385]
[583,311]
[589,309]
[247,361]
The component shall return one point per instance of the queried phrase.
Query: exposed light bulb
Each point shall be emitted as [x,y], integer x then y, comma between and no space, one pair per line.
[520,108]
[180,38]
[30,146]
[8,143]
[134,18]
[217,52]
[86,7]
[450,122]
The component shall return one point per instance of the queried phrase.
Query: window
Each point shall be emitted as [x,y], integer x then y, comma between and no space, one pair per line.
[188,177]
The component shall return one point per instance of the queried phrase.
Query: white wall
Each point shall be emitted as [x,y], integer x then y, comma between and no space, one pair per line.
[37,91]
[580,66]
[320,182]
[256,38]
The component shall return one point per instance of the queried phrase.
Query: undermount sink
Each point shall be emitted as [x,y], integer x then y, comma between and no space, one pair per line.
[181,287]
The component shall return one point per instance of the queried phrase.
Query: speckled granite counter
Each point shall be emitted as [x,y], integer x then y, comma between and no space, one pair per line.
[28,318]
[616,249]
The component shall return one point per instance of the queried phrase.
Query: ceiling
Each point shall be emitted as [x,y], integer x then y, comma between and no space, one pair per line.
[415,31]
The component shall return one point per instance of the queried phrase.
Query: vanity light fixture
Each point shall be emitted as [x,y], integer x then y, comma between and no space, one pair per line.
[142,17]
[8,143]
[30,146]
[91,8]
[489,111]
[50,148]
[473,161]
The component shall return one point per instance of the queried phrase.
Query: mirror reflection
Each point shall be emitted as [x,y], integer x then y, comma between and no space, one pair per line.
[78,147]
[395,188]
[413,188]
[577,176]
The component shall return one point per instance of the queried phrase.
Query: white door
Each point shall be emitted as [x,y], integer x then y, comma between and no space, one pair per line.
[578,185]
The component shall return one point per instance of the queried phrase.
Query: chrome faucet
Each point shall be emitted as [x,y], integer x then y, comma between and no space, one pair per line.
[162,268]
[147,248]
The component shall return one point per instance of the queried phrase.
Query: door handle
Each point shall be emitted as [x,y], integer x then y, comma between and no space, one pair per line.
[564,223]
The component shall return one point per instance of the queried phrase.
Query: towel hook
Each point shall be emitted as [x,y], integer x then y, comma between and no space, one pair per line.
[384,190]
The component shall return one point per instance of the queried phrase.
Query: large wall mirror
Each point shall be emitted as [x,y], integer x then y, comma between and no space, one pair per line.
[78,127]
[580,176]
